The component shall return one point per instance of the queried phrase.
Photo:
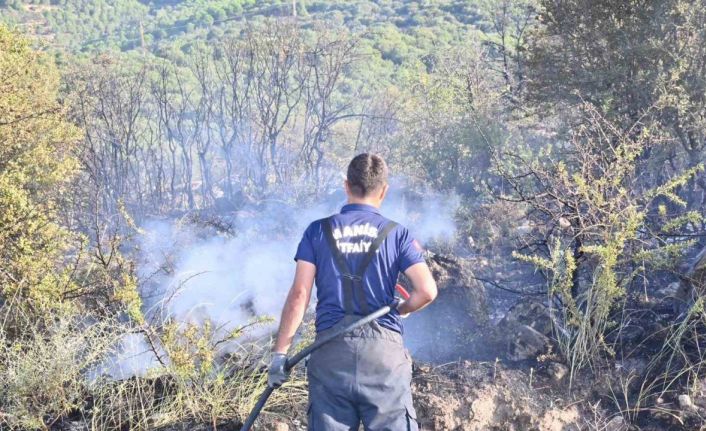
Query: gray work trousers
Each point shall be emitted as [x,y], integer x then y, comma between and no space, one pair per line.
[363,377]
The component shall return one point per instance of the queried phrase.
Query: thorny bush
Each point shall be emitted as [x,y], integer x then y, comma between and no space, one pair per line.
[594,235]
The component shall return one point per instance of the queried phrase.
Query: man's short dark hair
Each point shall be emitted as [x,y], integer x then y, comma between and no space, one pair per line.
[367,173]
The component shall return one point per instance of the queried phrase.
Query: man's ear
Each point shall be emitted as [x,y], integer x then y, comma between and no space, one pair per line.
[346,187]
[383,192]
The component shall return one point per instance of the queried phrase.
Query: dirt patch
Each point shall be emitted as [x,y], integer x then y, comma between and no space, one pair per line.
[474,396]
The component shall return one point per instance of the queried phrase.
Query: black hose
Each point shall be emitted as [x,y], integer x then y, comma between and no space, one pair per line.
[294,360]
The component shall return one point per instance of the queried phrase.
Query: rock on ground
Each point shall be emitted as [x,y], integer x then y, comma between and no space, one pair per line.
[525,330]
[453,324]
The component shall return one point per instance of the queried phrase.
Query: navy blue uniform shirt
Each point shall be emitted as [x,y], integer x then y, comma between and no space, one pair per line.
[355,228]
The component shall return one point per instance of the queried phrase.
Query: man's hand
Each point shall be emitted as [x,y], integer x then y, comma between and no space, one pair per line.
[276,374]
[396,304]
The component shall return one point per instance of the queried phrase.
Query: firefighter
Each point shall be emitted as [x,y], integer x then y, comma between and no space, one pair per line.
[355,257]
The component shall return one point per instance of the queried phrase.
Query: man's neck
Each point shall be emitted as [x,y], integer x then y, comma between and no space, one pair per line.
[372,202]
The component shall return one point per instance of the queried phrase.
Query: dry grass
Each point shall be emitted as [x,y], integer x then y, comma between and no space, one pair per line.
[676,368]
[42,370]
[49,373]
[150,403]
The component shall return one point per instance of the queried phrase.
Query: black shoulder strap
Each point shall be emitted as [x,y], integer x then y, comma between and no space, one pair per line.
[352,283]
[342,266]
[374,248]
[360,274]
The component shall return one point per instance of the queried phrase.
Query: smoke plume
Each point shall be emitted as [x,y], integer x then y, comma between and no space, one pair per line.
[193,272]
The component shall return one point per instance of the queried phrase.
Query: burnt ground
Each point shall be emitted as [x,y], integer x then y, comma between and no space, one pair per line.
[475,396]
[476,365]
[484,360]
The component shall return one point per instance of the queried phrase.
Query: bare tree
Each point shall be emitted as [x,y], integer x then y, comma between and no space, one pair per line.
[511,21]
[278,87]
[245,117]
[203,118]
[109,106]
[327,61]
[235,77]
[175,101]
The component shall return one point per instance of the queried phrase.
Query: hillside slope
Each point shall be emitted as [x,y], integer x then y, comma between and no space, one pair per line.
[397,29]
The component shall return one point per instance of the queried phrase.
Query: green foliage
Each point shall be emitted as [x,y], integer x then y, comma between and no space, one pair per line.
[194,382]
[599,245]
[654,50]
[450,120]
[47,342]
[36,163]
[578,39]
[399,32]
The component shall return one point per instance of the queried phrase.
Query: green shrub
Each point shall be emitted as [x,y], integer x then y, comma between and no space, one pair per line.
[595,222]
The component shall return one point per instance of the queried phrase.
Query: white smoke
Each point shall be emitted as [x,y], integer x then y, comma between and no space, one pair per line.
[193,274]
[428,219]
[134,357]
[229,280]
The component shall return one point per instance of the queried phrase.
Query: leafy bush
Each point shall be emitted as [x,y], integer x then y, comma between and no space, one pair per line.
[194,383]
[594,229]
[36,165]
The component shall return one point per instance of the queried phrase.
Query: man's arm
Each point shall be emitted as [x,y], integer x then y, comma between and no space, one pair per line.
[295,306]
[423,288]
